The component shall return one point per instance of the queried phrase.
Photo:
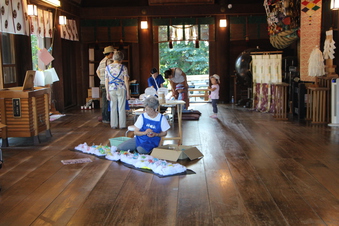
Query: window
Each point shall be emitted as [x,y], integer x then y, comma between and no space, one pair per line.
[38,43]
[8,60]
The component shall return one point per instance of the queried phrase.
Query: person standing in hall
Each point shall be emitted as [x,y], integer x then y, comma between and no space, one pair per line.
[155,80]
[215,80]
[177,76]
[108,52]
[117,85]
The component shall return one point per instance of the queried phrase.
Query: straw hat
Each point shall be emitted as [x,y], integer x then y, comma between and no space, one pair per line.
[108,49]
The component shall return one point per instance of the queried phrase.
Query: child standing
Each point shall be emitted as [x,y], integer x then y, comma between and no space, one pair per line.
[215,80]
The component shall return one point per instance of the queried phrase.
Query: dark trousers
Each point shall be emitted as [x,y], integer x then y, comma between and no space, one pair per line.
[215,105]
[105,113]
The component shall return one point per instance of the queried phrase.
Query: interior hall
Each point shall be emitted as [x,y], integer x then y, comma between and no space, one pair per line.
[169,112]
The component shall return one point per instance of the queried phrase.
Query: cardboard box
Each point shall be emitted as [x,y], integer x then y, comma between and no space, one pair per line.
[95,92]
[173,152]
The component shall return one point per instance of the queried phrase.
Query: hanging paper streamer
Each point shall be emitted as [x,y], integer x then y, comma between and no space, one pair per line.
[316,65]
[329,46]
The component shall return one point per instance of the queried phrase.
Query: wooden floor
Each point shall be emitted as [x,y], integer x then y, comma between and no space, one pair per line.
[255,171]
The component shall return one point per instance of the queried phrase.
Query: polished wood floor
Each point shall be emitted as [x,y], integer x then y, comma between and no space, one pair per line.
[255,171]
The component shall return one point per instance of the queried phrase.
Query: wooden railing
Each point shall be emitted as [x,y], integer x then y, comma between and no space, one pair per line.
[205,93]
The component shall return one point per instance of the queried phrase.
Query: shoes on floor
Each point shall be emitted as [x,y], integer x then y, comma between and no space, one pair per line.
[122,127]
[114,127]
[105,121]
[213,116]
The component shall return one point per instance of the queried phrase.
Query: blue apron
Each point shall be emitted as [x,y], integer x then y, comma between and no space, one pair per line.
[115,81]
[148,143]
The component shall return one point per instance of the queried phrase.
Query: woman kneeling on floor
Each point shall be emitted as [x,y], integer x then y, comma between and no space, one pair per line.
[149,128]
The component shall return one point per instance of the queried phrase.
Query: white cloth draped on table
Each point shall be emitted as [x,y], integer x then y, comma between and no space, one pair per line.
[266,71]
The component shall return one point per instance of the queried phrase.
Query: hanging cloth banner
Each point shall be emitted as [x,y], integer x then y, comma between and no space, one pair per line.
[69,31]
[310,27]
[7,23]
[20,21]
[48,24]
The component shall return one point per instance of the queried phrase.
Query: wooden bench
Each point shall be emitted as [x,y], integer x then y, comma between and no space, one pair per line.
[205,95]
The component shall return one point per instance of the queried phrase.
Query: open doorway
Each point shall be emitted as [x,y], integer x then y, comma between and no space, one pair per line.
[192,60]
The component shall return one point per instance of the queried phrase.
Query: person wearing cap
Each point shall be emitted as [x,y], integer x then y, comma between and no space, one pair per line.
[155,80]
[117,86]
[108,52]
[214,88]
[177,76]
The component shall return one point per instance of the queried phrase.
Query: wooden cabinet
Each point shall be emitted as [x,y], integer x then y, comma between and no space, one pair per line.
[24,113]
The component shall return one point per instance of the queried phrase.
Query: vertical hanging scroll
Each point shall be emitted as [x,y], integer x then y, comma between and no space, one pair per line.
[310,24]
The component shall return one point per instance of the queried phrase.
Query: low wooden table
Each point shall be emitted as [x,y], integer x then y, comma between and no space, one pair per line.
[179,105]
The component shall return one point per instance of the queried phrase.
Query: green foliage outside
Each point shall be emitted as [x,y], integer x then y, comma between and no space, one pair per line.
[193,61]
[35,49]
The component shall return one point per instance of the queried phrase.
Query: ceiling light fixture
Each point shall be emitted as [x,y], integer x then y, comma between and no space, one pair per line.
[144,25]
[62,20]
[32,10]
[223,23]
[334,4]
[55,3]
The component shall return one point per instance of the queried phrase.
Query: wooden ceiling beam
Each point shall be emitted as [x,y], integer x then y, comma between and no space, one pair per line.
[171,11]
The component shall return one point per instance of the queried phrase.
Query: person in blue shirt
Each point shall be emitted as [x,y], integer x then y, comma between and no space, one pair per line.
[155,80]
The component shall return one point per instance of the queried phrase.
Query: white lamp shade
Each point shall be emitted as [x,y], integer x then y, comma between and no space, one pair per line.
[32,10]
[144,25]
[334,4]
[223,23]
[62,20]
[55,3]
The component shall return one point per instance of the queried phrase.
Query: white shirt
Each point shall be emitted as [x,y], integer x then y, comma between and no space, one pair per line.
[164,123]
[178,77]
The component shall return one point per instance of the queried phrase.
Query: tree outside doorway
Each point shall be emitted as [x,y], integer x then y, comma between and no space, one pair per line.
[193,61]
